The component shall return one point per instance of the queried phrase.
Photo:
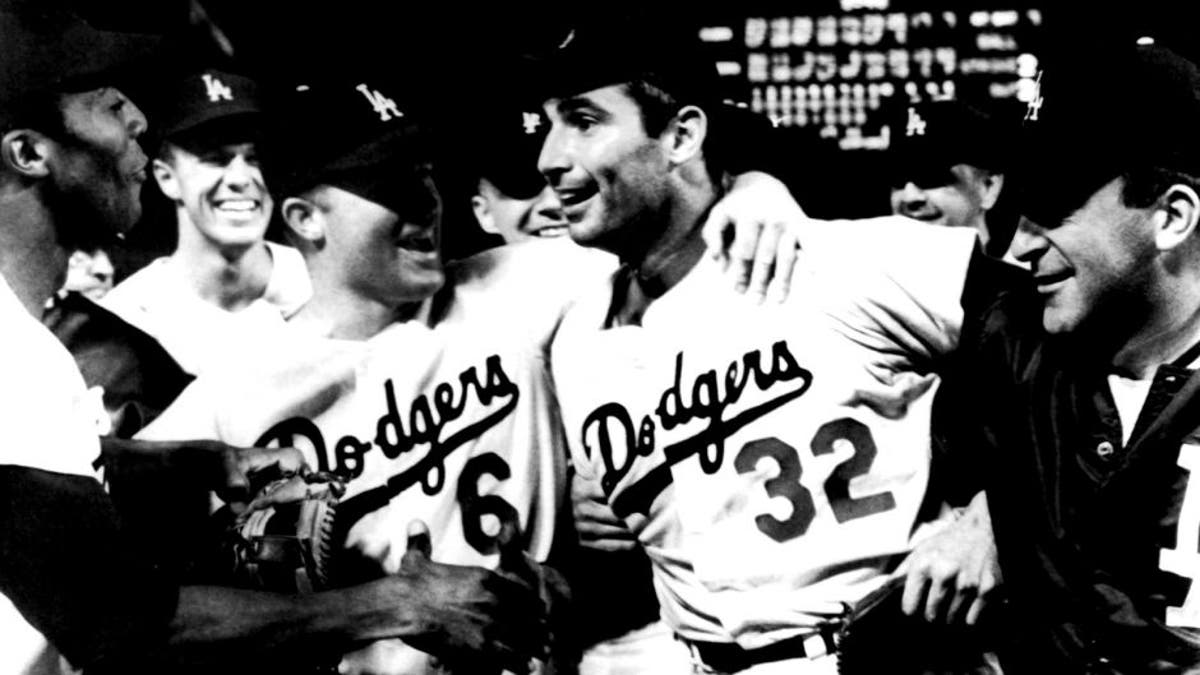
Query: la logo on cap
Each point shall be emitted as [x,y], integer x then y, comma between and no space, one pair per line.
[916,124]
[531,122]
[1035,103]
[381,104]
[216,89]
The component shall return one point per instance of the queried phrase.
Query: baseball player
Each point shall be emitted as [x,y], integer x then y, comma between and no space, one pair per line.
[947,165]
[383,376]
[609,573]
[224,284]
[744,444]
[1091,378]
[71,172]
[511,199]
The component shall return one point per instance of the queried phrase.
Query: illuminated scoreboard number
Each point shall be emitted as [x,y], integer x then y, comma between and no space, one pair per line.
[835,73]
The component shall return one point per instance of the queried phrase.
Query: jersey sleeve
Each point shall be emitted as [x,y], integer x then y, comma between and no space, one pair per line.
[192,415]
[903,279]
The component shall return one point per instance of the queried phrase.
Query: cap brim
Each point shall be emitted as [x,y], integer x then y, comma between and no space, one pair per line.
[240,114]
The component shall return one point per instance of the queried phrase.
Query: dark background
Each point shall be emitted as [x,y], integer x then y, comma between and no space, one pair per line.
[446,53]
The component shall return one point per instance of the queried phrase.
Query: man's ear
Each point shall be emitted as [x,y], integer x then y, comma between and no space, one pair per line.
[481,206]
[1176,216]
[26,152]
[304,218]
[991,183]
[167,180]
[687,132]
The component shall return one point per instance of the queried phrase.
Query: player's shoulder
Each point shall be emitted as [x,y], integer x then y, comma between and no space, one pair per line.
[901,249]
[140,288]
[886,236]
[530,261]
[531,275]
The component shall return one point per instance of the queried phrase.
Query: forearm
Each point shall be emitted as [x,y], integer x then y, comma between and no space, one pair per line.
[133,457]
[212,623]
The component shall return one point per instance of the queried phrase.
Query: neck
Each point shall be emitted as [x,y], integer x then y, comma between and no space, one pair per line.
[680,246]
[32,261]
[1164,339]
[230,278]
[337,313]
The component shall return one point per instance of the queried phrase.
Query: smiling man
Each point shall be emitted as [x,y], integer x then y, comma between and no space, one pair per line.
[1092,422]
[947,164]
[512,200]
[224,283]
[733,438]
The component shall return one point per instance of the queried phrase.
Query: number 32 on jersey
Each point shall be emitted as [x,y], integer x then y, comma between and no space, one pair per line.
[837,486]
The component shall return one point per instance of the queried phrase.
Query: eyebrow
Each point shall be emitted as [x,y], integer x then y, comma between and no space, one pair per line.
[576,103]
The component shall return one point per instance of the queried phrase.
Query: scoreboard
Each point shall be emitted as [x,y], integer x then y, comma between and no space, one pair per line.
[836,68]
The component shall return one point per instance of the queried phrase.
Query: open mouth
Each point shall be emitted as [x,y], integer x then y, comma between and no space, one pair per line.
[238,207]
[570,198]
[417,239]
[551,231]
[925,216]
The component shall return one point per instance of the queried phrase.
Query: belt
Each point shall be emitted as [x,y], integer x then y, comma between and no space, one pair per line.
[730,657]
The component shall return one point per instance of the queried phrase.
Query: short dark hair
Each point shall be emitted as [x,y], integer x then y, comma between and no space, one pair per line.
[1143,187]
[41,111]
[658,107]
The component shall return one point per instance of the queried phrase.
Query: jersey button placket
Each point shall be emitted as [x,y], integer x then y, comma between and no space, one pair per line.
[1105,450]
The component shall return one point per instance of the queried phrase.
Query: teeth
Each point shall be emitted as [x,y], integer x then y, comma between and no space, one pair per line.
[550,232]
[237,205]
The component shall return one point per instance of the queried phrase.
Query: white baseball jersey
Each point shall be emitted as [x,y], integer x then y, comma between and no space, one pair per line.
[49,424]
[731,437]
[197,333]
[449,418]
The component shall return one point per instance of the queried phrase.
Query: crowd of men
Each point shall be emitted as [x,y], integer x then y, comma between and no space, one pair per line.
[596,448]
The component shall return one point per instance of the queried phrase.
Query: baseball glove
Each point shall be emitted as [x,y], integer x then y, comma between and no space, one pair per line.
[877,637]
[284,541]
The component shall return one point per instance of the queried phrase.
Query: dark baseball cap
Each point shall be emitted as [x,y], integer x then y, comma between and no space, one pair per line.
[507,148]
[1107,110]
[49,49]
[196,101]
[627,43]
[357,133]
[929,137]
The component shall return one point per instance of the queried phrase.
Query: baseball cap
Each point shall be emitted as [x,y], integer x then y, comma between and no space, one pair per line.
[626,44]
[49,49]
[1109,110]
[507,149]
[929,137]
[356,133]
[196,100]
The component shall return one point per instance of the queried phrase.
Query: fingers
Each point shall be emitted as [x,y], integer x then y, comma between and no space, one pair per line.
[513,560]
[281,492]
[914,590]
[935,599]
[975,609]
[269,463]
[742,253]
[717,233]
[763,265]
[418,538]
[785,263]
[988,584]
